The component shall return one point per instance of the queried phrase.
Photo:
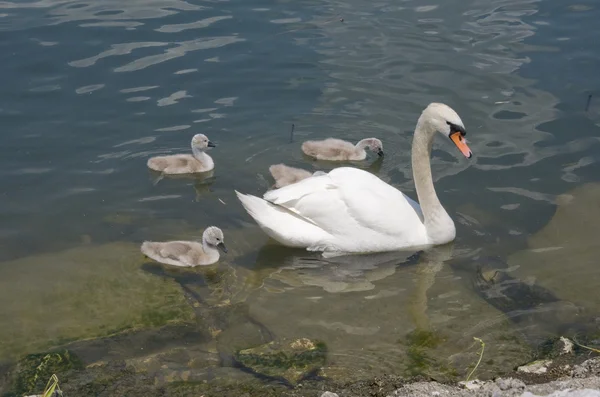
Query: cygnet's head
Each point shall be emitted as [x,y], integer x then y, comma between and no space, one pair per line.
[374,144]
[201,141]
[445,120]
[213,237]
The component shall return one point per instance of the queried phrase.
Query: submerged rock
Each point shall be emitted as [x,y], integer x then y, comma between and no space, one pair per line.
[563,256]
[537,367]
[288,360]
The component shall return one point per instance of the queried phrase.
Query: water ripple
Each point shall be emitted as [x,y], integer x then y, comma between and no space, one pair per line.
[173,98]
[203,23]
[180,50]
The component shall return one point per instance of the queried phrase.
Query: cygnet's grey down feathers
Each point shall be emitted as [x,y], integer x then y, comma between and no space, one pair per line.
[333,149]
[187,253]
[196,162]
[285,175]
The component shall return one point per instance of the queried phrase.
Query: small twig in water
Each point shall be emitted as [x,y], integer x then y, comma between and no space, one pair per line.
[292,134]
[585,347]
[480,357]
[589,101]
[222,202]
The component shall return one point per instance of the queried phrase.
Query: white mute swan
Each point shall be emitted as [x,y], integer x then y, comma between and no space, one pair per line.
[285,175]
[337,150]
[350,210]
[188,253]
[198,161]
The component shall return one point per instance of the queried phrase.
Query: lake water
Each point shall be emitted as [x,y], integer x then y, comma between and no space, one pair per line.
[91,89]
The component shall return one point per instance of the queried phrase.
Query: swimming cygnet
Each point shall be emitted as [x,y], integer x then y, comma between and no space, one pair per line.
[338,150]
[188,253]
[198,161]
[285,175]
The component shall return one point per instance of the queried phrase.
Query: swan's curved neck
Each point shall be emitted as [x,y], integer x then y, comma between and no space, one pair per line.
[202,157]
[438,223]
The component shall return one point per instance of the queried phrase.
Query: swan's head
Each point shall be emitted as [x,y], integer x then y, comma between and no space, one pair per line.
[201,141]
[445,120]
[213,237]
[373,144]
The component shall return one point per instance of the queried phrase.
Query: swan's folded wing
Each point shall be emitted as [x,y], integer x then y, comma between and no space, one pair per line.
[375,205]
[352,201]
[317,200]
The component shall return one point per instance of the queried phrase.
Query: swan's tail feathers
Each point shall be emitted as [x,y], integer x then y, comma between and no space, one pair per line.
[280,223]
[253,205]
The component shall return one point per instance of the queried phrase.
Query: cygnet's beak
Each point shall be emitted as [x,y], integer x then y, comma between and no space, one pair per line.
[380,152]
[459,140]
[222,247]
[210,144]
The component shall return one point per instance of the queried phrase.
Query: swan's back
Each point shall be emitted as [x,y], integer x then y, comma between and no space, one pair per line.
[285,175]
[332,149]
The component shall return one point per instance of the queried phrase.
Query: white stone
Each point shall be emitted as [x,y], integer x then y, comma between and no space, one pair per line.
[537,367]
[567,345]
[471,385]
[567,393]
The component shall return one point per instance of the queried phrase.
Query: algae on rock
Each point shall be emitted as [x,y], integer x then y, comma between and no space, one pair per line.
[290,360]
[33,371]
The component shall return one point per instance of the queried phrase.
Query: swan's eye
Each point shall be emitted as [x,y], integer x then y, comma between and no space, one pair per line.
[454,128]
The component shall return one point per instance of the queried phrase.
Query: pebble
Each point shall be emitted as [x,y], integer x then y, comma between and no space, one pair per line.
[537,367]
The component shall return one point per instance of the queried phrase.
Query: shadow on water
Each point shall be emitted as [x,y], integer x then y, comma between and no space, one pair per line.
[221,318]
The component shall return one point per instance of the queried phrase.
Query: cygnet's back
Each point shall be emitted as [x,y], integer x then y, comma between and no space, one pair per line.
[196,162]
[338,150]
[332,149]
[285,175]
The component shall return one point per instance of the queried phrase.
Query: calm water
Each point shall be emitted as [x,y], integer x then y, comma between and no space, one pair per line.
[91,89]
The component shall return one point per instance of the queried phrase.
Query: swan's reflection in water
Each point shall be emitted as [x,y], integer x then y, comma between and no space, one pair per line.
[342,273]
[201,182]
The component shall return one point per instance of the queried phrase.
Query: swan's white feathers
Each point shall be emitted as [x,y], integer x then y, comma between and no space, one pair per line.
[350,205]
[296,231]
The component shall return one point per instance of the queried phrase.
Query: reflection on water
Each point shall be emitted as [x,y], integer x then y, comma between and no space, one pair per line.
[93,89]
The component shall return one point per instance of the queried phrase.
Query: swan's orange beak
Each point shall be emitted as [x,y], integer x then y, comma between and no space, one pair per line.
[461,144]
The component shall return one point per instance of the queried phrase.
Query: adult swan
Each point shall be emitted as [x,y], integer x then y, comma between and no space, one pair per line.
[352,211]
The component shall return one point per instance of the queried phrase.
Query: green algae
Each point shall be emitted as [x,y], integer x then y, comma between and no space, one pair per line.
[33,371]
[289,360]
[82,293]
